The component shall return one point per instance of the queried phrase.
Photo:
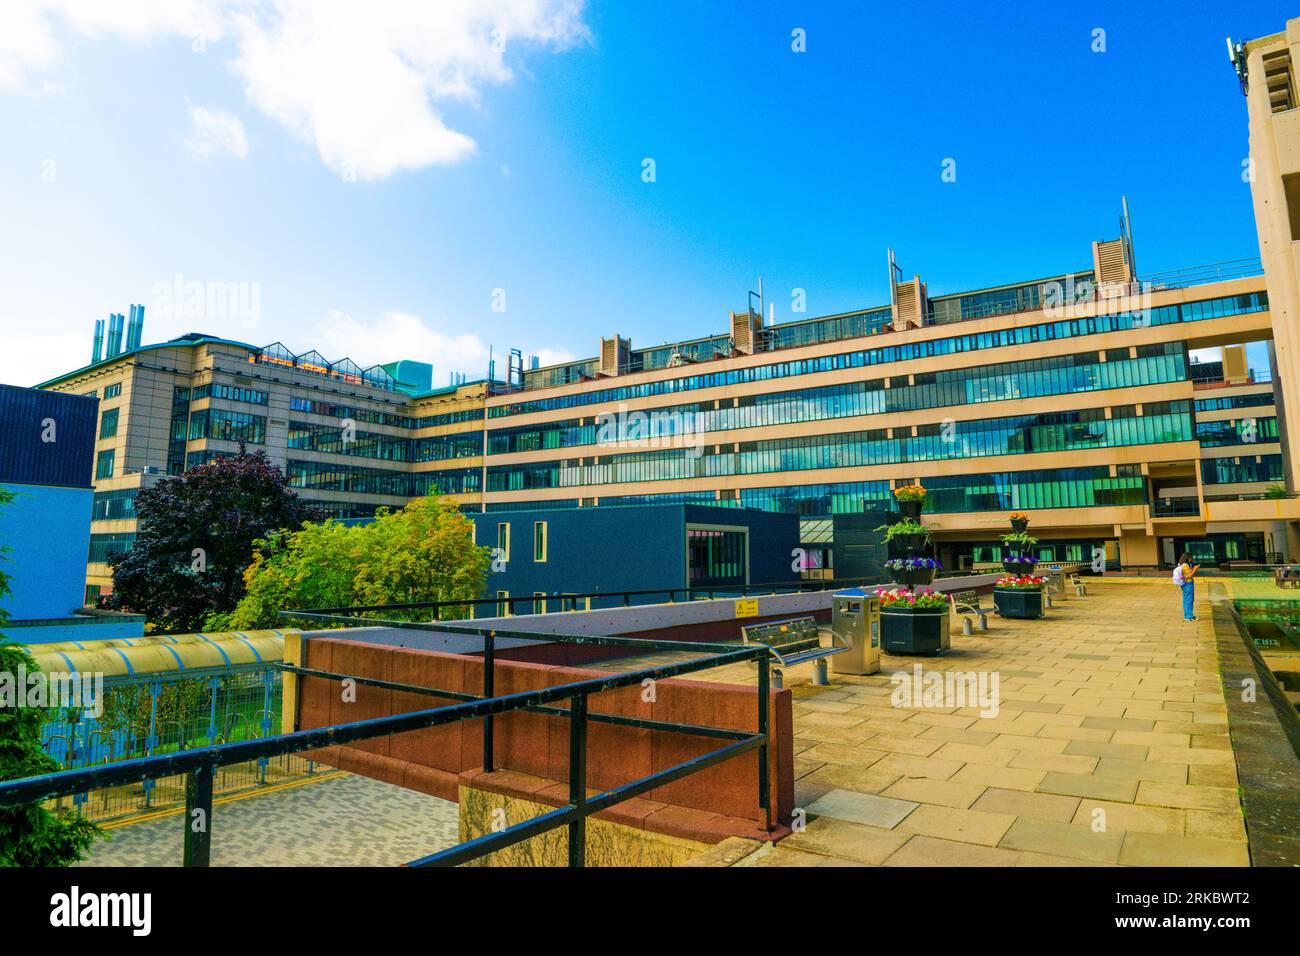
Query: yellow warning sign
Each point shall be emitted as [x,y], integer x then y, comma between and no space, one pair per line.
[747,607]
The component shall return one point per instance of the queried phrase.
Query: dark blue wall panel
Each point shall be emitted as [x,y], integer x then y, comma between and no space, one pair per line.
[632,548]
[26,458]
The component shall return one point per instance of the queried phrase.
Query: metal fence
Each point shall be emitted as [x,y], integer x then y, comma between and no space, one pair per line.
[200,767]
[163,713]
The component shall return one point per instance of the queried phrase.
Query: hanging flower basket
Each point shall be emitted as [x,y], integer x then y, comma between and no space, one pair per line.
[1019,522]
[913,572]
[911,500]
[1019,564]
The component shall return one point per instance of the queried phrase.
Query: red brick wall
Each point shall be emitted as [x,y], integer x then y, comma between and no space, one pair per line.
[433,760]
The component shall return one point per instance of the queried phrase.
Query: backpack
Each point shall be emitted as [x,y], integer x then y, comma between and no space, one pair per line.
[1178,576]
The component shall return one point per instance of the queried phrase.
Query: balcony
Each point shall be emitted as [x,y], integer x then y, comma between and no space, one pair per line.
[1183,507]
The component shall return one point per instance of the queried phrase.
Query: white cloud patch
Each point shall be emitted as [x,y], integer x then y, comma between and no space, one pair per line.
[360,82]
[400,335]
[212,130]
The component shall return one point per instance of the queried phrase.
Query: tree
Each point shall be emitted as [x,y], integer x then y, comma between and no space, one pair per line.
[31,835]
[194,539]
[423,552]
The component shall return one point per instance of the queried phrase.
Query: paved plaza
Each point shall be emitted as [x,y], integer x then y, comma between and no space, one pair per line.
[1109,746]
[339,819]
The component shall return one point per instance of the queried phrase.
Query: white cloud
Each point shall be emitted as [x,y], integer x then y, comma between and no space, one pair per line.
[358,81]
[214,129]
[400,335]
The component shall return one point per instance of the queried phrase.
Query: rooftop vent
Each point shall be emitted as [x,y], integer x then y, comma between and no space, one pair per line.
[746,328]
[910,304]
[1278,79]
[615,355]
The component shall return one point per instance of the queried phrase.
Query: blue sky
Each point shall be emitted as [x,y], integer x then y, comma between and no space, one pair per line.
[376,182]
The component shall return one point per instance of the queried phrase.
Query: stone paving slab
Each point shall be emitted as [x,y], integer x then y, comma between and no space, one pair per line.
[1109,747]
[344,820]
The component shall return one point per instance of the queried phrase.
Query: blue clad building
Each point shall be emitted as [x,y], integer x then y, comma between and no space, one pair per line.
[548,553]
[47,445]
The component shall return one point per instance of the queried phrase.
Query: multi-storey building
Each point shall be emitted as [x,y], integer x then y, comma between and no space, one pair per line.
[349,439]
[1074,398]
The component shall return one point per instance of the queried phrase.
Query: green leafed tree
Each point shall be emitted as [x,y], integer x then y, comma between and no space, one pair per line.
[422,552]
[30,835]
[194,539]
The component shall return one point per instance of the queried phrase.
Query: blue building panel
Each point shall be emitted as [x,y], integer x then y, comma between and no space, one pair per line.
[635,548]
[46,438]
[47,447]
[47,533]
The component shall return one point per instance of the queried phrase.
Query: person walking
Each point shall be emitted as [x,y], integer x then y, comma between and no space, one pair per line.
[1185,578]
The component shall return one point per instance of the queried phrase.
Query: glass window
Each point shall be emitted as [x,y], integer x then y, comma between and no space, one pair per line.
[539,540]
[716,557]
[104,546]
[112,391]
[503,541]
[108,423]
[104,464]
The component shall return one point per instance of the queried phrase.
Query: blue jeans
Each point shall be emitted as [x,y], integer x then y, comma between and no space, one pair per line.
[1189,597]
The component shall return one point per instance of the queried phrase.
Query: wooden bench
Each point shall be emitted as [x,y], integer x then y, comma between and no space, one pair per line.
[1076,582]
[966,604]
[793,641]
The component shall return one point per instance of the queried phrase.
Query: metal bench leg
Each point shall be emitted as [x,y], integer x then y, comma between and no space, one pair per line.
[966,629]
[1048,599]
[819,675]
[776,677]
[984,622]
[1080,590]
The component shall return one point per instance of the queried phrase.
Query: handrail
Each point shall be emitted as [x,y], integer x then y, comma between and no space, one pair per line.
[200,764]
[797,587]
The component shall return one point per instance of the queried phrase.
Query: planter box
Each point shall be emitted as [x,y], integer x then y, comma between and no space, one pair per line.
[1018,602]
[1020,524]
[914,632]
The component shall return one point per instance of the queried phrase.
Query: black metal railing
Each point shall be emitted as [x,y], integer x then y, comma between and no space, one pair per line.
[200,765]
[569,601]
[1180,507]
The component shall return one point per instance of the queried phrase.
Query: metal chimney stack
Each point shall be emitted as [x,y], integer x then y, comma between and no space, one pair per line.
[114,335]
[97,353]
[135,327]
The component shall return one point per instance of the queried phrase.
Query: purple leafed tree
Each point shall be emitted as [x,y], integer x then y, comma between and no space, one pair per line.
[195,538]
